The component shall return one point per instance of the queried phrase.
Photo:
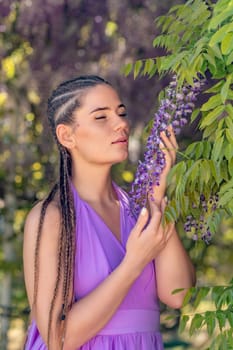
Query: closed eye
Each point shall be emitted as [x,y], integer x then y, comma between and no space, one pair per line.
[100,117]
[123,115]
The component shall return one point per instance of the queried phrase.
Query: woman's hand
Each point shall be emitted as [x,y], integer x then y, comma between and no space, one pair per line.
[169,147]
[147,239]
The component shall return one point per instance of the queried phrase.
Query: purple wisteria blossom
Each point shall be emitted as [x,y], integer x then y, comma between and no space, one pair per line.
[175,108]
[199,228]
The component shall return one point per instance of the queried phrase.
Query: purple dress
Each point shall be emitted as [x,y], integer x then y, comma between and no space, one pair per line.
[135,325]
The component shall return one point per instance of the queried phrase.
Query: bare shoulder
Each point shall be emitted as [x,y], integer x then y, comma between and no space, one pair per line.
[48,242]
[51,220]
[49,233]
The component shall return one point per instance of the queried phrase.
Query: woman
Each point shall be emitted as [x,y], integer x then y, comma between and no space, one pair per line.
[89,264]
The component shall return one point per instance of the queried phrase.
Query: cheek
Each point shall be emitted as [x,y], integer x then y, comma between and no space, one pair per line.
[90,141]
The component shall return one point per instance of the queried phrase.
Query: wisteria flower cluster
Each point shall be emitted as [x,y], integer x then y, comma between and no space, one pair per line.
[175,108]
[198,228]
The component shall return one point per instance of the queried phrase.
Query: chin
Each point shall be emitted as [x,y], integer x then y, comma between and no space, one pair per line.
[121,159]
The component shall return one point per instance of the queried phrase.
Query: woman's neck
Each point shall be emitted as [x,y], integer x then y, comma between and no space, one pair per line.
[93,183]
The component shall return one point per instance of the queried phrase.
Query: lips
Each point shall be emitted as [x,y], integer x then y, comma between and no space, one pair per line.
[121,140]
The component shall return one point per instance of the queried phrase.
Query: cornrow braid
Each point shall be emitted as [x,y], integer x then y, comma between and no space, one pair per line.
[61,106]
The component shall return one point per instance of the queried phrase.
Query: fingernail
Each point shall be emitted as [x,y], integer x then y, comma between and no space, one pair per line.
[165,199]
[143,211]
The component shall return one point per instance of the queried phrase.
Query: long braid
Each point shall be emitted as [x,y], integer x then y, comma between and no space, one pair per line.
[61,106]
[66,246]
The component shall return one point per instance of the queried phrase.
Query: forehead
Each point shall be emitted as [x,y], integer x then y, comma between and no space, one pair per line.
[100,96]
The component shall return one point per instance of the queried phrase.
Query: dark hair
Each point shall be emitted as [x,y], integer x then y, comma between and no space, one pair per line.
[64,100]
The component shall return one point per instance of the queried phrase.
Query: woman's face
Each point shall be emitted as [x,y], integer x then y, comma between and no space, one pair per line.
[101,130]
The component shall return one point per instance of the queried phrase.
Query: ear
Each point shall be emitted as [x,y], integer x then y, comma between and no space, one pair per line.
[65,135]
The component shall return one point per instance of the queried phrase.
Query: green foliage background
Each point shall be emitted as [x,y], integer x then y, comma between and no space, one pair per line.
[197,38]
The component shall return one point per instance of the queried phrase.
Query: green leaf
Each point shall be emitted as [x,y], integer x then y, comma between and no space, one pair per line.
[217,20]
[226,186]
[228,151]
[183,322]
[178,290]
[212,116]
[184,204]
[230,317]
[202,293]
[175,8]
[220,33]
[216,52]
[225,88]
[230,94]
[137,68]
[215,88]
[210,322]
[205,171]
[157,41]
[230,167]
[169,317]
[149,65]
[198,150]
[196,324]
[191,148]
[170,213]
[215,171]
[195,114]
[207,149]
[229,59]
[221,317]
[226,198]
[223,169]
[153,71]
[168,216]
[193,172]
[209,130]
[229,136]
[212,103]
[127,69]
[217,149]
[216,293]
[210,59]
[227,43]
[188,296]
[229,110]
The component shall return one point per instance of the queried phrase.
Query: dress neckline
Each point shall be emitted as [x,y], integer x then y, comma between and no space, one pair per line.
[99,217]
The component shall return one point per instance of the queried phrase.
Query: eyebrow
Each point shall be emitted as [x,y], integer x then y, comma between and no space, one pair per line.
[106,108]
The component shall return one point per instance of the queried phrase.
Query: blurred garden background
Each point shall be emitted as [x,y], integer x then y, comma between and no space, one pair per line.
[43,42]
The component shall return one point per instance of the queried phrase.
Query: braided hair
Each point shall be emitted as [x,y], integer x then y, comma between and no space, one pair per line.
[64,100]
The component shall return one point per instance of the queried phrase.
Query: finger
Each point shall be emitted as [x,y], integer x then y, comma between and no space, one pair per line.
[169,147]
[169,141]
[169,132]
[168,155]
[166,139]
[172,136]
[154,206]
[141,221]
[156,215]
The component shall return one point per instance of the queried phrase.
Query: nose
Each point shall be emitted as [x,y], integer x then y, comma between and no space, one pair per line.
[121,123]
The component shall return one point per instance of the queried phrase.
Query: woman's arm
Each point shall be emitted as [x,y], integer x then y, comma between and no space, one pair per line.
[90,314]
[174,268]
